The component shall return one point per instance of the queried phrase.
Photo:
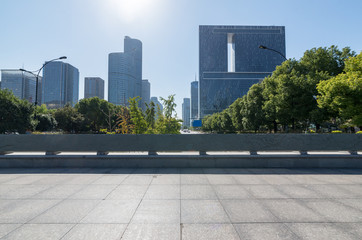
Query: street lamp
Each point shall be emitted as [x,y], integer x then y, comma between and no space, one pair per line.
[37,76]
[264,47]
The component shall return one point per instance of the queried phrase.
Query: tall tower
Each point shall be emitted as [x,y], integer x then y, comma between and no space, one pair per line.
[146,94]
[194,104]
[60,85]
[230,62]
[125,73]
[186,112]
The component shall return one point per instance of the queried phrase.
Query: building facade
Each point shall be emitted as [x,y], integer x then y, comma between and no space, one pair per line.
[186,112]
[230,62]
[60,85]
[145,94]
[21,83]
[157,103]
[194,108]
[125,73]
[93,87]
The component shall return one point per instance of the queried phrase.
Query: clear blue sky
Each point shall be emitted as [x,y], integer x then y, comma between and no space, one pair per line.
[86,31]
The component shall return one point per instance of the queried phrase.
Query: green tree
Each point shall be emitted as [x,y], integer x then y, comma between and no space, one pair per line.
[343,93]
[167,124]
[15,114]
[137,118]
[69,119]
[252,112]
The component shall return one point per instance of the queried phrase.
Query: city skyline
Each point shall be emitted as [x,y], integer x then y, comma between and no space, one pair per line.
[88,31]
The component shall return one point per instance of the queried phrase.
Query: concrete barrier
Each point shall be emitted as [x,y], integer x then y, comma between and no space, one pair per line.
[203,143]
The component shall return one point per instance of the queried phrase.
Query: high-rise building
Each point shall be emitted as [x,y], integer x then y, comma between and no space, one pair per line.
[60,85]
[157,103]
[125,73]
[94,87]
[186,112]
[230,62]
[21,83]
[194,100]
[145,94]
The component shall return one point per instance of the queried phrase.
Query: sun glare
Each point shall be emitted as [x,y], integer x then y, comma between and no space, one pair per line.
[131,10]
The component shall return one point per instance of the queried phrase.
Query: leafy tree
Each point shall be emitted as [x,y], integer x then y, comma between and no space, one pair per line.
[252,112]
[69,119]
[150,115]
[137,118]
[124,123]
[166,124]
[15,114]
[343,93]
[235,114]
[45,122]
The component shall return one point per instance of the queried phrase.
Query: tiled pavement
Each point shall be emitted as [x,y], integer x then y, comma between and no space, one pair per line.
[180,204]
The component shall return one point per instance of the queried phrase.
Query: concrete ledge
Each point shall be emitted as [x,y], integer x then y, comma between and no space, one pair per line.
[169,161]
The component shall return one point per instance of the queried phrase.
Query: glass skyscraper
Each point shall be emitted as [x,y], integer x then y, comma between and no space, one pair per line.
[125,73]
[186,112]
[230,62]
[194,100]
[94,87]
[22,84]
[146,94]
[60,85]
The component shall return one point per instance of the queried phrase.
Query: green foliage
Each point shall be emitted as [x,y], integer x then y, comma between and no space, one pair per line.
[343,93]
[137,118]
[69,119]
[166,124]
[45,122]
[15,114]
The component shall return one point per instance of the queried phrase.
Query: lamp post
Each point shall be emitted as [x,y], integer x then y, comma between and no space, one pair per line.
[264,47]
[37,76]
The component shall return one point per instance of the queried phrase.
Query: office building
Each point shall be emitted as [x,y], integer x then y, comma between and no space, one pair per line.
[194,100]
[230,62]
[22,84]
[125,73]
[186,112]
[93,87]
[145,94]
[60,85]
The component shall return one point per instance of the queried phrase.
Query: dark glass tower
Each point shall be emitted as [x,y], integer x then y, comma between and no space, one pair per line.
[230,62]
[194,100]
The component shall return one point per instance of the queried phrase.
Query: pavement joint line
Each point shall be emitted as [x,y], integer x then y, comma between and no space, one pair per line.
[137,208]
[220,202]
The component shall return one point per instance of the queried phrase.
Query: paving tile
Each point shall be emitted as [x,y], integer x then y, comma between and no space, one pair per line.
[353,203]
[265,191]
[248,179]
[197,192]
[82,179]
[221,179]
[231,192]
[96,232]
[138,180]
[24,191]
[110,179]
[203,211]
[320,231]
[331,191]
[94,192]
[305,179]
[152,232]
[54,179]
[163,192]
[248,210]
[299,191]
[166,179]
[209,232]
[276,179]
[7,228]
[334,211]
[25,179]
[128,192]
[270,231]
[67,211]
[354,190]
[158,211]
[194,179]
[112,211]
[58,192]
[21,211]
[289,210]
[39,231]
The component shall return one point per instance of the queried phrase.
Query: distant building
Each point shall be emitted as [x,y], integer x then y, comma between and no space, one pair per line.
[60,85]
[22,84]
[194,100]
[186,112]
[145,94]
[157,103]
[125,73]
[93,87]
[230,62]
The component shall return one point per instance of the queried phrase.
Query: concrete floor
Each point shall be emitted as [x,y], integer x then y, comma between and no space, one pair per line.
[180,204]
